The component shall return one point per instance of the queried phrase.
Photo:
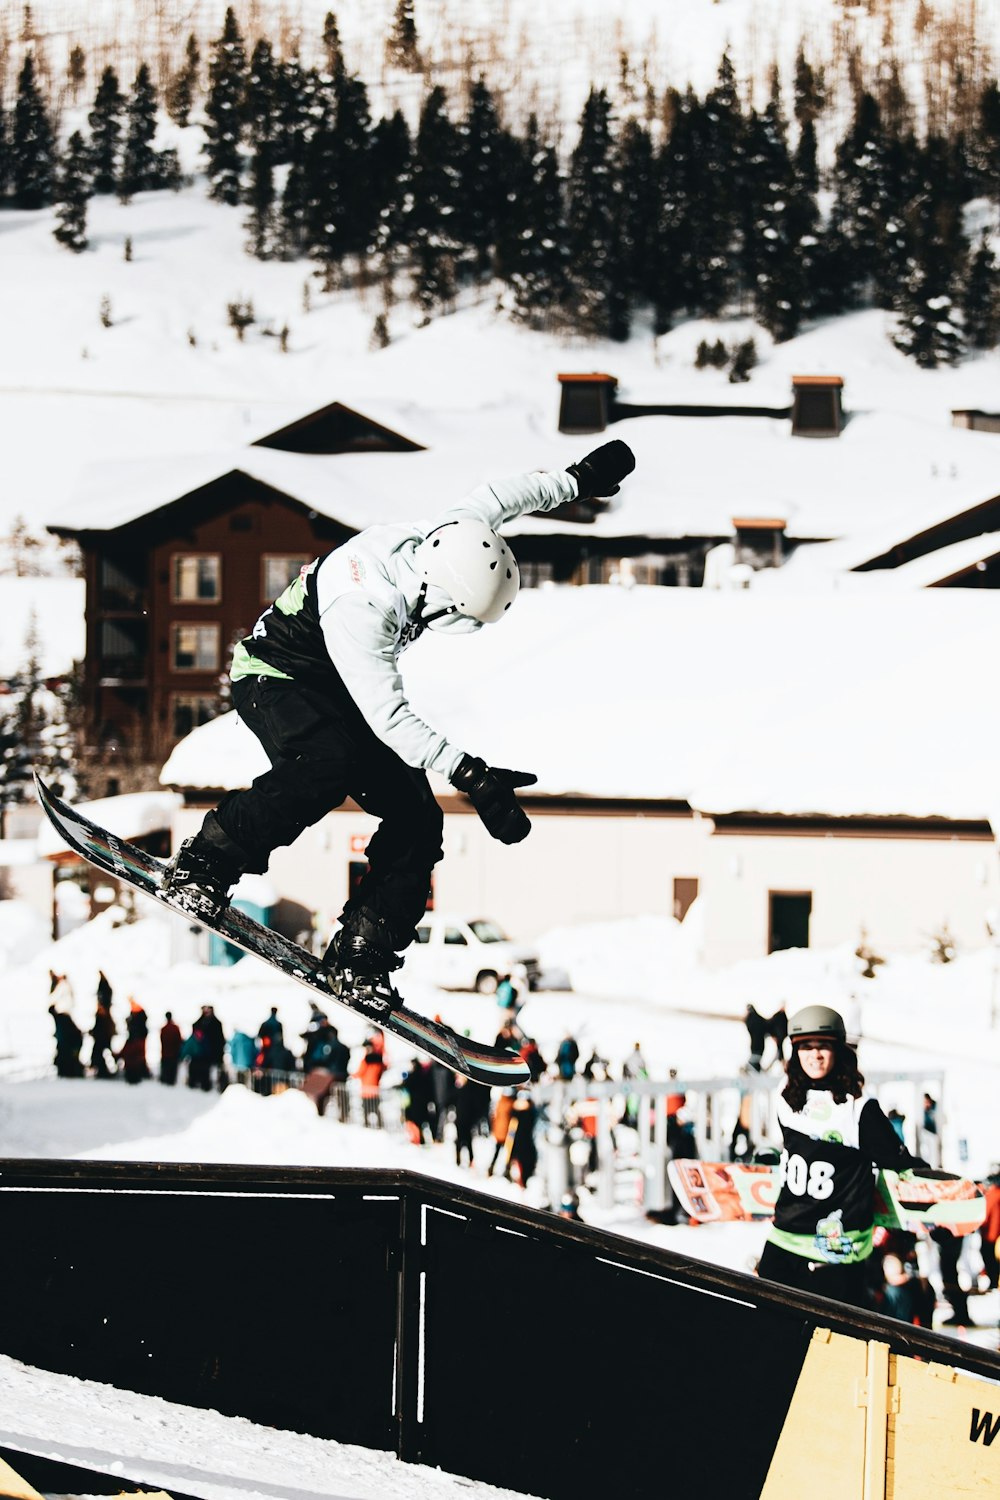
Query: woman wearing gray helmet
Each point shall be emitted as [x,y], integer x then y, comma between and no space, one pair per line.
[834,1135]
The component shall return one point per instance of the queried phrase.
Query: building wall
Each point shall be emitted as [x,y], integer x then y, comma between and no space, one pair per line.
[902,890]
[572,868]
[576,868]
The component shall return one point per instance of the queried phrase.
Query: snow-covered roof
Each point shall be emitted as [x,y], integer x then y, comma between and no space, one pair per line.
[944,564]
[884,478]
[829,705]
[131,816]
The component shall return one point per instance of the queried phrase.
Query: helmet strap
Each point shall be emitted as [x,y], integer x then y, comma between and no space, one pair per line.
[422,619]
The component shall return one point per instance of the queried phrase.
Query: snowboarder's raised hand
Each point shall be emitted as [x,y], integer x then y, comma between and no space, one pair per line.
[601,472]
[490,789]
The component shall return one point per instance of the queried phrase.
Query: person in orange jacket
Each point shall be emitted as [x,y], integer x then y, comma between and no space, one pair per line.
[503,1111]
[369,1073]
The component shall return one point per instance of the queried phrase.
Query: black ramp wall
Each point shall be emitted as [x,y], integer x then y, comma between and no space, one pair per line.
[397,1312]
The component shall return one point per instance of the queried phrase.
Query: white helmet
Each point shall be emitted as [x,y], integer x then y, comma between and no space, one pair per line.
[473,566]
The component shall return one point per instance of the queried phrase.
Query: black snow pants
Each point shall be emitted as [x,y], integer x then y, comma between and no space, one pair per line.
[322,752]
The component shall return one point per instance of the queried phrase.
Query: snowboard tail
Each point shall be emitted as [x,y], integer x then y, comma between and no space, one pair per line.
[715,1192]
[493,1066]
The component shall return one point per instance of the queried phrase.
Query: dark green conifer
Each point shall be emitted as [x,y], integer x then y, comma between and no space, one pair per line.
[224,112]
[105,121]
[32,144]
[140,170]
[72,194]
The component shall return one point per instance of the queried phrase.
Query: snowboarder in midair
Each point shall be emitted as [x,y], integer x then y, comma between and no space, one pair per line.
[318,683]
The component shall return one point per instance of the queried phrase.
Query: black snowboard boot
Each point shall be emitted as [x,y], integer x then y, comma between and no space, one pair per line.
[359,972]
[205,868]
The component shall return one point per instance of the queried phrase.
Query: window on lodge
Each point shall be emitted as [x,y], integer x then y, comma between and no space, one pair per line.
[188,710]
[197,578]
[279,569]
[195,648]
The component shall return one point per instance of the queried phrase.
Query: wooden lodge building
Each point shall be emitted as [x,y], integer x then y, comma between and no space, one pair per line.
[176,575]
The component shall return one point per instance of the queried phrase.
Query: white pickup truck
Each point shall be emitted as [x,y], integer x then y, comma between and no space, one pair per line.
[468,953]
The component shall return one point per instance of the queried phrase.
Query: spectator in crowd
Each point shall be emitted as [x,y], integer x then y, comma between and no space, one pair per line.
[503,1111]
[677,1136]
[569,1208]
[69,1040]
[596,1069]
[949,1249]
[898,1122]
[369,1075]
[317,1022]
[472,1106]
[567,1057]
[171,1042]
[741,1143]
[102,1058]
[205,1049]
[442,1100]
[133,1052]
[757,1032]
[509,1036]
[326,1068]
[777,1028]
[272,1027]
[930,1144]
[989,1231]
[634,1070]
[523,1157]
[242,1051]
[533,1059]
[506,993]
[904,1293]
[104,991]
[417,1086]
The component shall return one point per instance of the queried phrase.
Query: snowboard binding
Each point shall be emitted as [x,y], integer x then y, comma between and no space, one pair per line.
[359,975]
[191,881]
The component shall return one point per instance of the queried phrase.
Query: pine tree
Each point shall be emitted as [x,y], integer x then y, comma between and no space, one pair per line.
[76,71]
[777,284]
[988,139]
[401,48]
[261,226]
[294,88]
[532,252]
[715,213]
[980,298]
[72,194]
[349,213]
[925,301]
[390,177]
[4,147]
[140,165]
[32,148]
[430,221]
[106,131]
[593,225]
[182,87]
[640,208]
[482,165]
[224,107]
[261,112]
[332,51]
[674,269]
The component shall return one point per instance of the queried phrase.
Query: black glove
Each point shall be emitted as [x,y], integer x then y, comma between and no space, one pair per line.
[599,474]
[491,792]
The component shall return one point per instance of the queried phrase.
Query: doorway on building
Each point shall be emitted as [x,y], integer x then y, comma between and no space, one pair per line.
[788,917]
[685,895]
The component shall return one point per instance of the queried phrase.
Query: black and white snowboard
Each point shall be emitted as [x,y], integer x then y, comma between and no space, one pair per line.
[493,1066]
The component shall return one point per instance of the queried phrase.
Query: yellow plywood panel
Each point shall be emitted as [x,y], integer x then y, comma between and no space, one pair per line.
[13,1485]
[821,1450]
[944,1438]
